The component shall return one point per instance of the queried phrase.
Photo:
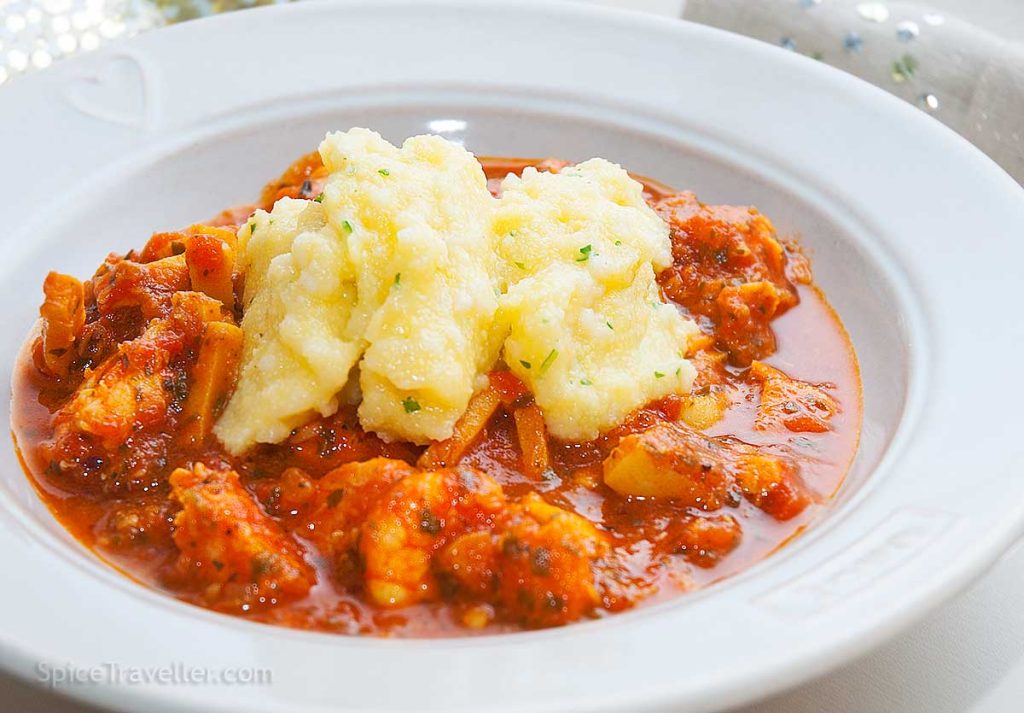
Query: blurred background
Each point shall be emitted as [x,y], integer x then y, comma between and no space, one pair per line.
[961,61]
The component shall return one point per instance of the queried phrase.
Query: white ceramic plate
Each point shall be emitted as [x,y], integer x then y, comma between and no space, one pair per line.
[915,237]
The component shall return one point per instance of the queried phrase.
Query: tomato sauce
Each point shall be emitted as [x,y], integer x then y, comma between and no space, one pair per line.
[809,344]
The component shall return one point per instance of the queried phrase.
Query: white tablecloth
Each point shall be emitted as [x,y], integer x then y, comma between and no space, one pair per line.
[966,657]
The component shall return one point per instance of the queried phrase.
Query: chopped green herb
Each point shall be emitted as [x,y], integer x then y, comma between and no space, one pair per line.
[679,370]
[542,563]
[586,382]
[658,374]
[610,326]
[548,360]
[319,198]
[526,364]
[398,278]
[618,242]
[410,404]
[384,172]
[430,523]
[347,226]
[252,228]
[262,563]
[521,266]
[585,253]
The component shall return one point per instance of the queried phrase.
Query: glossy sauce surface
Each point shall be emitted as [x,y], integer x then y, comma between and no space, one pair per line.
[812,346]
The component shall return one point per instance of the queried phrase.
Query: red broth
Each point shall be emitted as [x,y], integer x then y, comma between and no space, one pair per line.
[132,528]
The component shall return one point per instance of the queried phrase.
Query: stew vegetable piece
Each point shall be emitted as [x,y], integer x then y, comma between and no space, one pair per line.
[499,527]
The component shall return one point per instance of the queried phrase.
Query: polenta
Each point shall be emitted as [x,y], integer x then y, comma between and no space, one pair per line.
[416,221]
[297,353]
[407,275]
[588,331]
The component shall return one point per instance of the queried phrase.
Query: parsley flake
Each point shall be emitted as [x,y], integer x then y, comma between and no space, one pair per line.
[319,198]
[411,405]
[658,374]
[610,326]
[398,279]
[430,523]
[526,364]
[347,226]
[586,382]
[548,360]
[585,253]
[384,172]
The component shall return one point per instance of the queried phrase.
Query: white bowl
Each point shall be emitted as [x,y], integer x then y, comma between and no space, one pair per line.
[915,237]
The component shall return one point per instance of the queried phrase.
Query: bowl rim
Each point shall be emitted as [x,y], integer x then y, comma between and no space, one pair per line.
[770,676]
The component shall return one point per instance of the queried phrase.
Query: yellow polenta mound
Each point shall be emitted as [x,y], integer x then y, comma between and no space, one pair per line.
[411,270]
[416,221]
[588,332]
[298,297]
